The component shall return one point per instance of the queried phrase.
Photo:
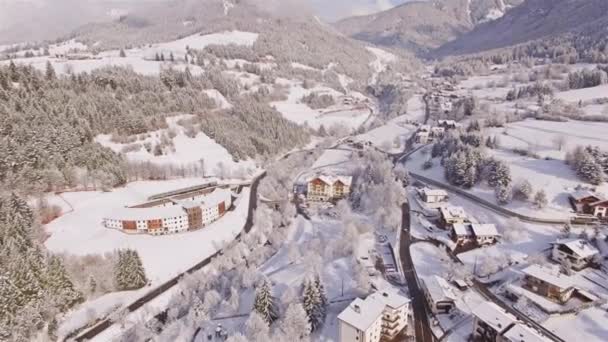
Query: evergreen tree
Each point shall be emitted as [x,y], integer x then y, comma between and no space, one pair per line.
[122,53]
[313,306]
[171,57]
[50,72]
[524,190]
[198,309]
[503,194]
[589,170]
[92,284]
[540,199]
[157,57]
[264,303]
[60,285]
[295,325]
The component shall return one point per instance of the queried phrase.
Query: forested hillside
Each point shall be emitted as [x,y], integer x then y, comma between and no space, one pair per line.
[47,123]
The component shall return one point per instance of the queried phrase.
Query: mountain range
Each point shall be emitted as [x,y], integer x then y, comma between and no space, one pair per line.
[422,26]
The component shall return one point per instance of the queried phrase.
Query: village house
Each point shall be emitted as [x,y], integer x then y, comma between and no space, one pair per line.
[580,253]
[423,137]
[450,215]
[433,195]
[448,124]
[438,294]
[491,321]
[548,282]
[328,188]
[494,324]
[586,202]
[481,234]
[381,316]
[427,134]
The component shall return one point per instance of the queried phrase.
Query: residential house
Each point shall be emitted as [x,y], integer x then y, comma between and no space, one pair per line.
[438,294]
[450,215]
[491,321]
[549,282]
[587,202]
[579,252]
[382,315]
[493,324]
[448,124]
[485,234]
[433,195]
[423,137]
[481,234]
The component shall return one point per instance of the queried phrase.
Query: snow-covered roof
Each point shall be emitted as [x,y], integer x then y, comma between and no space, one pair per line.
[330,179]
[449,212]
[143,214]
[580,247]
[361,314]
[462,229]
[550,274]
[439,289]
[486,229]
[390,297]
[424,128]
[434,192]
[582,194]
[446,122]
[522,333]
[494,316]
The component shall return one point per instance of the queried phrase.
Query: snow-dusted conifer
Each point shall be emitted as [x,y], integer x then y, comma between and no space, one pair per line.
[295,324]
[264,303]
[540,199]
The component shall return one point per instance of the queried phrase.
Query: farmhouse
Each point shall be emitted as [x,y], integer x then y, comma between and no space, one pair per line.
[170,216]
[548,281]
[587,202]
[450,215]
[433,195]
[328,188]
[577,251]
[438,294]
[382,315]
[481,234]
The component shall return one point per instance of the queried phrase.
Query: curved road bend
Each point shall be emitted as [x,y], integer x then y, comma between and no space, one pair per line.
[419,309]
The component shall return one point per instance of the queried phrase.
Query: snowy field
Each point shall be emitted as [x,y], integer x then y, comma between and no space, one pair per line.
[300,113]
[586,94]
[81,231]
[391,136]
[187,151]
[381,61]
[588,325]
[141,60]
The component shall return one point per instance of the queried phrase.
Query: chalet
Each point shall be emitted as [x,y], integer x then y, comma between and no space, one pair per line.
[433,195]
[491,321]
[437,132]
[480,234]
[381,316]
[423,137]
[328,188]
[438,294]
[450,215]
[548,282]
[580,253]
[586,202]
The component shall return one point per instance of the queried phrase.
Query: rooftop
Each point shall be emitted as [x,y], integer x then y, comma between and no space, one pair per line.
[550,274]
[361,314]
[449,212]
[582,194]
[522,333]
[144,214]
[486,229]
[331,179]
[462,229]
[494,316]
[580,247]
[434,192]
[390,297]
[439,289]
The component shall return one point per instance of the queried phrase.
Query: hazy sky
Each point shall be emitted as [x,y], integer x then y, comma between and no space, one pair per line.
[29,19]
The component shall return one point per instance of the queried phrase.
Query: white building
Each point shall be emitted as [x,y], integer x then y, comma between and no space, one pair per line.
[439,294]
[451,215]
[490,322]
[171,216]
[579,252]
[520,332]
[433,195]
[485,234]
[382,315]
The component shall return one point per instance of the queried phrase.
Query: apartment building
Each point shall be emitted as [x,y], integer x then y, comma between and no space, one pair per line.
[328,188]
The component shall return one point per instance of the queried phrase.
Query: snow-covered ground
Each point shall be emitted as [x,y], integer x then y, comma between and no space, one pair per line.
[81,232]
[142,59]
[576,95]
[383,59]
[589,325]
[351,116]
[391,136]
[187,151]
